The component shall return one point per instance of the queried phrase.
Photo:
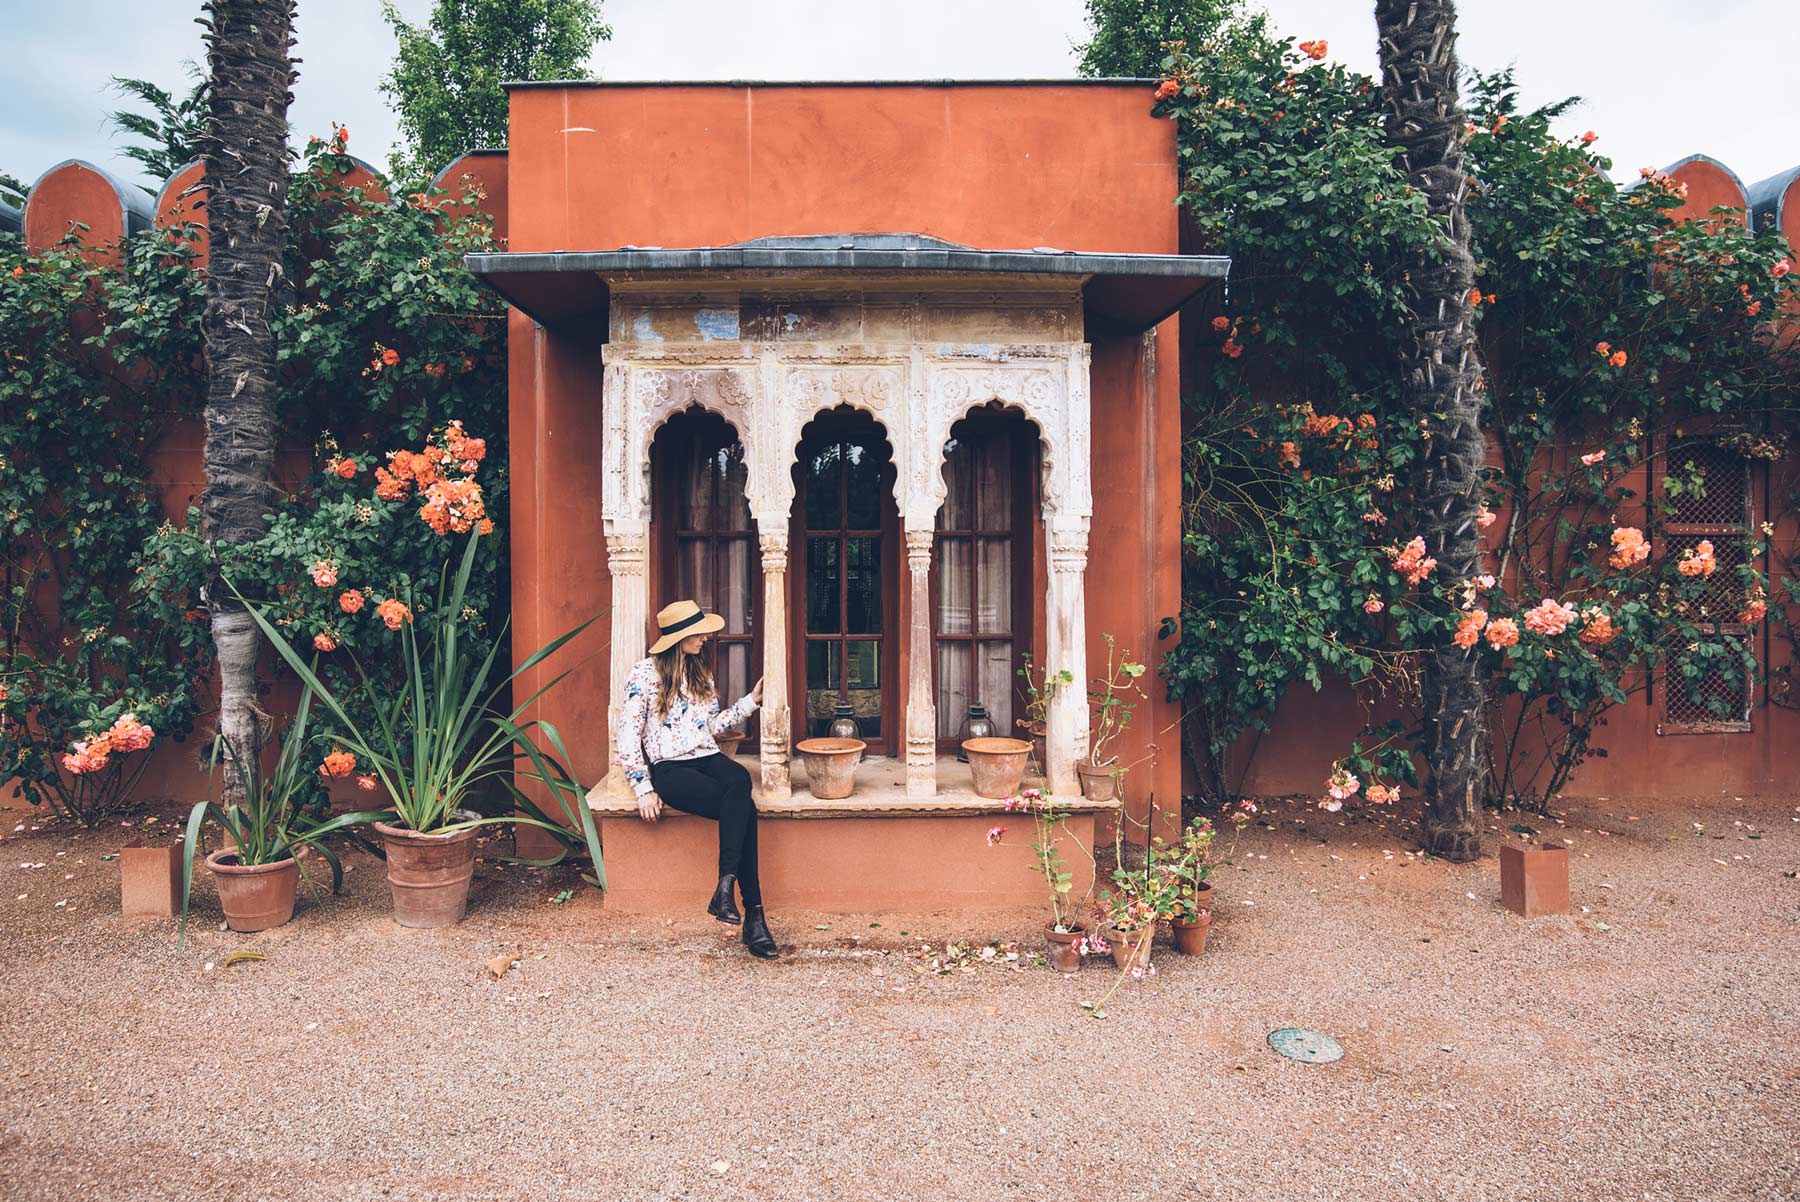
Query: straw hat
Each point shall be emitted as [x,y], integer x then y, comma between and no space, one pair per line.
[678,621]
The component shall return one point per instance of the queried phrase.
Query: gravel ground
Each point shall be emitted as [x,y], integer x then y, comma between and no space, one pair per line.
[1646,1047]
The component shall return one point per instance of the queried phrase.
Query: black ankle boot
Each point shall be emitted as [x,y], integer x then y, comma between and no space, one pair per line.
[757,940]
[722,907]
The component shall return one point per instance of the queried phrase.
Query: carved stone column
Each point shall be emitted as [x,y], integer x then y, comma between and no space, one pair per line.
[777,782]
[921,697]
[626,556]
[1067,739]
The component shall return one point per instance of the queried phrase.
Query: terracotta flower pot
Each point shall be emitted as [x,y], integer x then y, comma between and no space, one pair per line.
[254,897]
[728,743]
[1098,783]
[1190,936]
[429,874]
[1131,949]
[998,765]
[831,766]
[1065,956]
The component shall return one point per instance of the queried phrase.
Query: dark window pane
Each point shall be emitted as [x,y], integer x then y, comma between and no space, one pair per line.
[862,466]
[693,571]
[822,684]
[864,616]
[823,483]
[996,684]
[734,599]
[734,507]
[953,586]
[954,513]
[862,667]
[822,586]
[993,483]
[953,682]
[993,594]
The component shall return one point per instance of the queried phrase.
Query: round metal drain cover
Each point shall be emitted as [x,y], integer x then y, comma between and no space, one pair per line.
[1308,1047]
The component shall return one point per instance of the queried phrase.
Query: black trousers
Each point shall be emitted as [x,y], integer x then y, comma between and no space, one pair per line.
[717,787]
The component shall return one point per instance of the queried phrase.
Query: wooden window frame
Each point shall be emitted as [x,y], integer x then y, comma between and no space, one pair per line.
[847,425]
[1022,436]
[676,440]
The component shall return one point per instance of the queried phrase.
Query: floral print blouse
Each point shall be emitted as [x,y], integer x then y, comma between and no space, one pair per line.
[686,733]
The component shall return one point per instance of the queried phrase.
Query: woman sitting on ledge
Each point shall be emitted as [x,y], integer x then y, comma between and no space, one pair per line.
[665,739]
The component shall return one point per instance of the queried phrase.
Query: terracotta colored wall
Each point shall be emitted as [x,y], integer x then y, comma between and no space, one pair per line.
[1073,166]
[1710,185]
[1080,167]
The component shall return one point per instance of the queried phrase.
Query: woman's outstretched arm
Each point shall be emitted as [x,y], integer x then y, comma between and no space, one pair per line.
[738,714]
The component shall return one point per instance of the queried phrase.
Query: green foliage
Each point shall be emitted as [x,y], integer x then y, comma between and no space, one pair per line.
[99,358]
[1130,37]
[385,344]
[1297,511]
[169,134]
[446,81]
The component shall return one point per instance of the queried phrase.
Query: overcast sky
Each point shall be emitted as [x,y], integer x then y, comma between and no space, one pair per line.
[1662,79]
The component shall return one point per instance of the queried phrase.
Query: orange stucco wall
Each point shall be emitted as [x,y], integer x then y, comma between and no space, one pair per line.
[1079,167]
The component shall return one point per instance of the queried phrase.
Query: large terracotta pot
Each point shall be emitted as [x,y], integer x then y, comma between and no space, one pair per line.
[254,897]
[998,765]
[1098,783]
[728,742]
[1190,937]
[1131,949]
[1065,956]
[831,766]
[429,874]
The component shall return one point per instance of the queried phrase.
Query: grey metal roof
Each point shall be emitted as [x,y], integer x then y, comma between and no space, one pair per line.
[11,220]
[1765,198]
[1120,291]
[162,193]
[437,181]
[135,205]
[1083,81]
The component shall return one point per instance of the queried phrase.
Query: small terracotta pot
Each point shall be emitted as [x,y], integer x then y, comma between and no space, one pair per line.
[1098,783]
[831,766]
[429,874]
[1190,937]
[1203,897]
[728,743]
[1131,949]
[254,897]
[998,765]
[1064,955]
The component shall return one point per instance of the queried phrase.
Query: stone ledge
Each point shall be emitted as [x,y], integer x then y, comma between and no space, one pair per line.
[805,806]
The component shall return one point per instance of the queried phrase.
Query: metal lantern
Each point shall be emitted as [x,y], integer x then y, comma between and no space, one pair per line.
[843,723]
[976,725]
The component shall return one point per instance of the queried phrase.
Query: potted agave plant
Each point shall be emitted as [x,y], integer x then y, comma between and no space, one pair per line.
[440,734]
[1067,938]
[1113,698]
[258,871]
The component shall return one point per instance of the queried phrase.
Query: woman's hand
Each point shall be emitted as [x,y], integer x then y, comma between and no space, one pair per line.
[650,807]
[756,691]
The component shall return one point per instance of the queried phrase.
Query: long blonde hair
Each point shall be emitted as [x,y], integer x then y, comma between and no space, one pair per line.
[676,672]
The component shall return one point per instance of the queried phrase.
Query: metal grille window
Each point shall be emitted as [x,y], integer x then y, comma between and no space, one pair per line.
[1707,686]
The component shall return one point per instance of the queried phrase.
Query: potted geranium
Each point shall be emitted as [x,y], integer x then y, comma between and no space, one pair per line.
[1191,866]
[440,733]
[1066,937]
[258,872]
[1113,698]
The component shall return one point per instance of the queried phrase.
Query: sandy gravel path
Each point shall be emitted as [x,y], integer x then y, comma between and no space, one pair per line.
[1647,1048]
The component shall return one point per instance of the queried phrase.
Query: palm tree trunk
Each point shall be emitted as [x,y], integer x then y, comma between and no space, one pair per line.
[245,149]
[1442,369]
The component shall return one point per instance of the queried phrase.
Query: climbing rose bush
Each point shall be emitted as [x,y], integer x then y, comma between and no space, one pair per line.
[1613,332]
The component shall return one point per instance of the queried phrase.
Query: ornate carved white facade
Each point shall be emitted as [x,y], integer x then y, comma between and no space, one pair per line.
[768,391]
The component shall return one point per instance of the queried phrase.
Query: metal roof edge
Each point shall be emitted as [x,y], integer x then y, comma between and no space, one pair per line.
[738,258]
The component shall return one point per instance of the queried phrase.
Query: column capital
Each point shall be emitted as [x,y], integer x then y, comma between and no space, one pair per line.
[918,548]
[774,552]
[1068,550]
[627,553]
